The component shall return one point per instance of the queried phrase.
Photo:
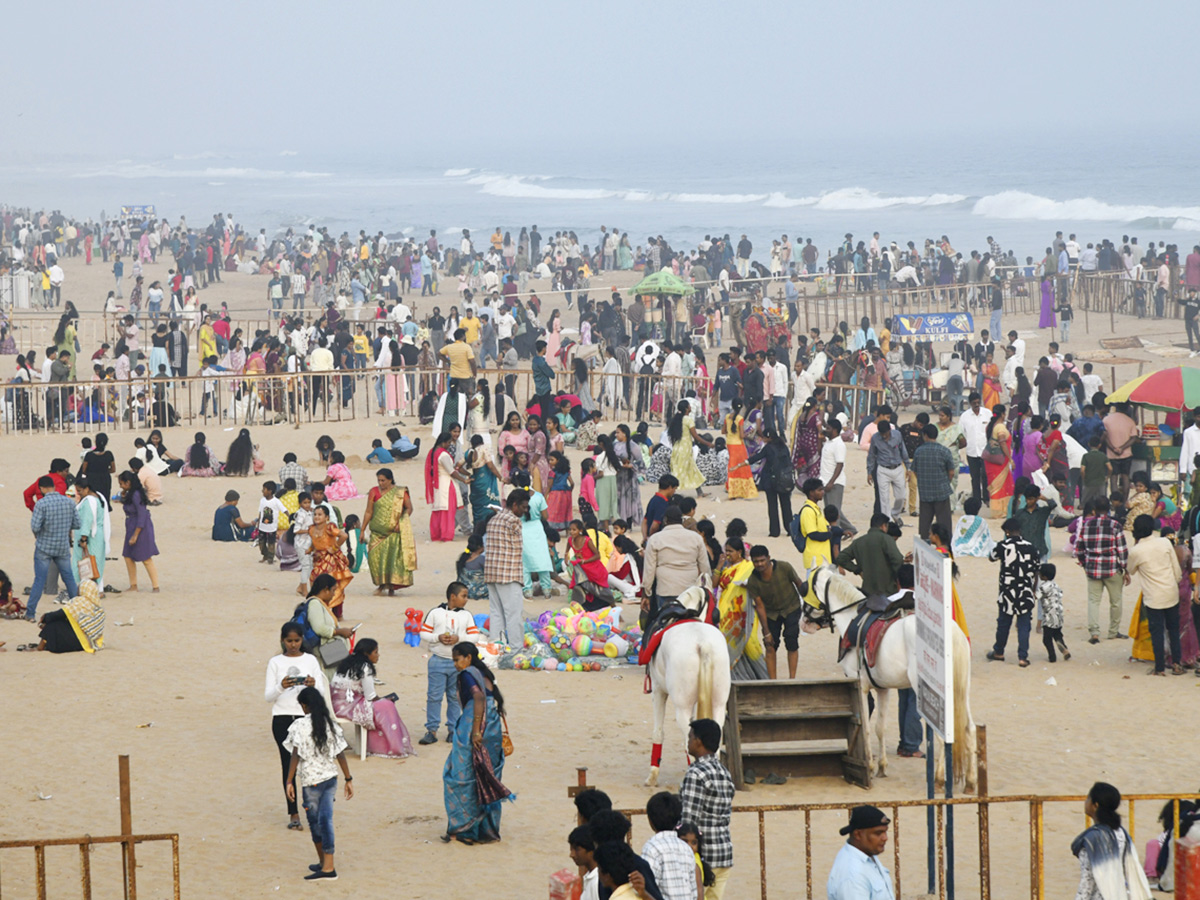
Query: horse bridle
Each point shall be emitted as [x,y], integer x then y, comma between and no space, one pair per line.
[827,614]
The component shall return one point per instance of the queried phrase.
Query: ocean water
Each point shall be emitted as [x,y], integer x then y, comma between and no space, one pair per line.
[1020,192]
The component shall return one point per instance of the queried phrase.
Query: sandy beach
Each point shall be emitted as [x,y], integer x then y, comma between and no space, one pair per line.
[179,689]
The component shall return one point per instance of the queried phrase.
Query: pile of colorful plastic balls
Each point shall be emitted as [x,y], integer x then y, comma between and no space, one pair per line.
[572,640]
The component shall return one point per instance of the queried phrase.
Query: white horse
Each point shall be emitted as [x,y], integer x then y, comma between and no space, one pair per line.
[896,667]
[692,668]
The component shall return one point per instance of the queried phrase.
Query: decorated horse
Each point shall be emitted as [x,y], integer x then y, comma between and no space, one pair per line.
[835,602]
[687,662]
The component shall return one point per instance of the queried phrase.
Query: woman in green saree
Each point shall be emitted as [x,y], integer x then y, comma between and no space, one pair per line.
[391,550]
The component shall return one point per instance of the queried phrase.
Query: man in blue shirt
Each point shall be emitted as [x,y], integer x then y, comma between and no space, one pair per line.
[54,518]
[358,291]
[857,873]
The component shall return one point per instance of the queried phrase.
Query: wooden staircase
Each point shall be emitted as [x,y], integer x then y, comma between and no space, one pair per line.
[798,727]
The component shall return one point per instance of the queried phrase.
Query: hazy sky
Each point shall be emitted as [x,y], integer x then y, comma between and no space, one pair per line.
[418,79]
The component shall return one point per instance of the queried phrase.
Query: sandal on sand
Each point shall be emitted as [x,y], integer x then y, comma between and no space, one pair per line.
[295,826]
[1156,672]
[26,647]
[1177,669]
[1024,664]
[994,657]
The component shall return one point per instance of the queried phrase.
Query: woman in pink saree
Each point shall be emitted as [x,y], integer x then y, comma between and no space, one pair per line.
[352,690]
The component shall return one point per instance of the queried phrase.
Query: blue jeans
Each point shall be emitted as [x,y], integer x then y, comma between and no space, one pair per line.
[780,422]
[1003,624]
[443,682]
[994,325]
[41,566]
[1064,327]
[910,721]
[318,806]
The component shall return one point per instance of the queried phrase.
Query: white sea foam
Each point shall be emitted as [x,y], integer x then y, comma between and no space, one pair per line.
[857,199]
[130,170]
[1021,205]
[457,173]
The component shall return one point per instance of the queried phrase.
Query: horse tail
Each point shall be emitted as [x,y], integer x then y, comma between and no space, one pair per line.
[704,686]
[962,708]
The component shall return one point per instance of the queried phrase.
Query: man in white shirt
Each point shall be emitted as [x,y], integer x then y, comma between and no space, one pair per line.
[672,371]
[1188,451]
[56,283]
[833,473]
[505,323]
[1088,259]
[1092,383]
[974,424]
[400,313]
[779,388]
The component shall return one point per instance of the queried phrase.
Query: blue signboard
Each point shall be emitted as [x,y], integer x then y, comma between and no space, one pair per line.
[934,324]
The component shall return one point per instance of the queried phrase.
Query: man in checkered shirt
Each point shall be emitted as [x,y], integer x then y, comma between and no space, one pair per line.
[504,570]
[707,794]
[54,518]
[1100,549]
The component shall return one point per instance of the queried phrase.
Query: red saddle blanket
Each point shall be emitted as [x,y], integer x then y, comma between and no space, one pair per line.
[650,644]
[871,640]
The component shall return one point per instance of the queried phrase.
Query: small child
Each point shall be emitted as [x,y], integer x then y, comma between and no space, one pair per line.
[1018,577]
[356,550]
[10,606]
[587,489]
[585,434]
[625,563]
[444,626]
[469,566]
[520,465]
[1117,508]
[669,855]
[209,371]
[301,522]
[269,510]
[560,504]
[836,533]
[971,534]
[690,834]
[1166,513]
[379,454]
[1049,598]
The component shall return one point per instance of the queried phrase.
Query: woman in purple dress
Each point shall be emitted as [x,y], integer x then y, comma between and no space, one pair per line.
[139,546]
[1047,319]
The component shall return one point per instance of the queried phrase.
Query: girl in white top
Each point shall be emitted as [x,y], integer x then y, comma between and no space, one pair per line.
[287,673]
[318,749]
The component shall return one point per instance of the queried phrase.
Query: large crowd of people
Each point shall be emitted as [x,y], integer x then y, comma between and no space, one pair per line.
[546,495]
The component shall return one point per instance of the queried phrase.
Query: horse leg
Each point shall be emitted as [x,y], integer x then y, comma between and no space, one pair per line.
[882,697]
[660,712]
[683,718]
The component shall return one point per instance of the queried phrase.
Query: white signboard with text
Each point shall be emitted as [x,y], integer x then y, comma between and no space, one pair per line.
[935,677]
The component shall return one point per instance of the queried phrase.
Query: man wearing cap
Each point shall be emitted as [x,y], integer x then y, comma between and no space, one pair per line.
[857,873]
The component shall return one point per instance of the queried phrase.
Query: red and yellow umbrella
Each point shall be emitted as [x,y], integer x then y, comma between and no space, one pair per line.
[1169,390]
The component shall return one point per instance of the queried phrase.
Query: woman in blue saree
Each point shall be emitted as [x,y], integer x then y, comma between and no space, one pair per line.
[471,777]
[485,480]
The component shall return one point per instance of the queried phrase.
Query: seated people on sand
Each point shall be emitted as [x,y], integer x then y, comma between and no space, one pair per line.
[401,446]
[228,524]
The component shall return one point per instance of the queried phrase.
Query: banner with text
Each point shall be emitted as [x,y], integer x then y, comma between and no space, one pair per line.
[934,325]
[935,677]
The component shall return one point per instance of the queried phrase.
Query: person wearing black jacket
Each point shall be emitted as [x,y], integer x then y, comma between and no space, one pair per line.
[776,479]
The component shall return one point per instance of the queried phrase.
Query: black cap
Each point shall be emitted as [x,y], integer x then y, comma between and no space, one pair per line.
[865,817]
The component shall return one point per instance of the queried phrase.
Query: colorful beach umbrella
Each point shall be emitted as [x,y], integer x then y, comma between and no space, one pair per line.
[1170,390]
[663,282]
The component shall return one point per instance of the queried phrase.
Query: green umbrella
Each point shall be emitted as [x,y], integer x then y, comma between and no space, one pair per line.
[663,282]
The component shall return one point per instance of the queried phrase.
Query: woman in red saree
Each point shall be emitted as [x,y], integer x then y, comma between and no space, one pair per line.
[439,489]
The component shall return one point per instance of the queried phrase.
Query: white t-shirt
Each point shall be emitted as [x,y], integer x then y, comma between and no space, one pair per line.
[315,766]
[277,509]
[284,700]
[832,453]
